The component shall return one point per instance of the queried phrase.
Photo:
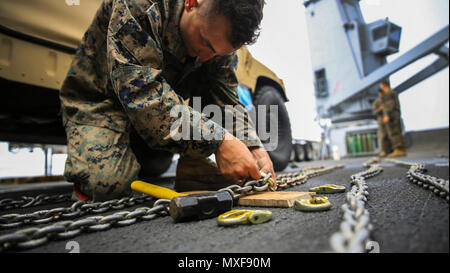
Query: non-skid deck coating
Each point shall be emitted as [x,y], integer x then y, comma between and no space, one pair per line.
[406,218]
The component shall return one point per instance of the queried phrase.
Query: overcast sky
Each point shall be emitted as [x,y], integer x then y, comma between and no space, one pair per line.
[283,46]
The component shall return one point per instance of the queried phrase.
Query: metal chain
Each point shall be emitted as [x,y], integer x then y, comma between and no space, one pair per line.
[298,178]
[27,201]
[79,208]
[284,180]
[416,175]
[34,237]
[355,227]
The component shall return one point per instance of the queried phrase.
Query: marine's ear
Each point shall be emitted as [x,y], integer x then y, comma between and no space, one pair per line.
[190,4]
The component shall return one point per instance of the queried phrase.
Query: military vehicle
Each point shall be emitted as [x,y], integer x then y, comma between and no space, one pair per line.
[37,42]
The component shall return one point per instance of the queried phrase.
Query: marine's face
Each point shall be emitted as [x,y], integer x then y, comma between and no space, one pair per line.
[204,37]
[384,87]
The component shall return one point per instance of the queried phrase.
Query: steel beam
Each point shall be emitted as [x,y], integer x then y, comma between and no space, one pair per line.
[430,45]
[443,52]
[430,70]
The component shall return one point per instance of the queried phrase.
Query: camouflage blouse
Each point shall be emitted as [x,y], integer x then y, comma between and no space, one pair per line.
[132,69]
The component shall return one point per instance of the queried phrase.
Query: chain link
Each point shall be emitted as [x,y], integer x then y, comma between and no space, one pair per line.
[34,237]
[27,201]
[284,181]
[416,175]
[78,209]
[355,227]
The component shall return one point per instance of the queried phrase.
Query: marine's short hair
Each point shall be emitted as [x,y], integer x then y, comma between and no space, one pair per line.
[245,17]
[385,82]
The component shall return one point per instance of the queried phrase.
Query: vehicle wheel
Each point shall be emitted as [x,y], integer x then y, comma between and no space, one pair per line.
[279,152]
[308,152]
[300,152]
[294,157]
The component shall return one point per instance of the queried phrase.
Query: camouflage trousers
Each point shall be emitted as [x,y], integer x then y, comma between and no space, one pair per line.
[391,135]
[100,162]
[394,130]
[383,137]
[102,165]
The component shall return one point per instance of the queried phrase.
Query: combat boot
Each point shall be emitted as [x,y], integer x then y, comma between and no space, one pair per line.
[397,153]
[200,174]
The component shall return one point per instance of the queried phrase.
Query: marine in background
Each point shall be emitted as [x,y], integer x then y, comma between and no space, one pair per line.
[382,132]
[390,109]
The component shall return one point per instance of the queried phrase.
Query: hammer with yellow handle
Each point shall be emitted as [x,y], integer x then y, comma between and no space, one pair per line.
[155,191]
[185,207]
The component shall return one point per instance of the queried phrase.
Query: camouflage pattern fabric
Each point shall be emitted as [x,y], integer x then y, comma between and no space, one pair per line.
[130,70]
[100,162]
[391,108]
[382,131]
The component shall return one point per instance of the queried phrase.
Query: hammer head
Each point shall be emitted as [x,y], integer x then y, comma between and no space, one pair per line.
[200,206]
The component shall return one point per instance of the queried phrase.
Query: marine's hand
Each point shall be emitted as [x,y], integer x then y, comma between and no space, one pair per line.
[386,119]
[235,160]
[264,162]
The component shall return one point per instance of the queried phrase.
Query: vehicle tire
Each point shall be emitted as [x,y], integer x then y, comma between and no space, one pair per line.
[294,157]
[300,152]
[280,155]
[308,152]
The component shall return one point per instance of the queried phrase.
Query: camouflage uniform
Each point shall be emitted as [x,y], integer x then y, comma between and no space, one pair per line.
[129,71]
[391,108]
[382,132]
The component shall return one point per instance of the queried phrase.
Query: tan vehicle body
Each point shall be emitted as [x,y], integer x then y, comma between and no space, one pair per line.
[56,22]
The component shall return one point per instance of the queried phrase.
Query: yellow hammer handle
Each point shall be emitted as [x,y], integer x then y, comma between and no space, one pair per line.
[155,191]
